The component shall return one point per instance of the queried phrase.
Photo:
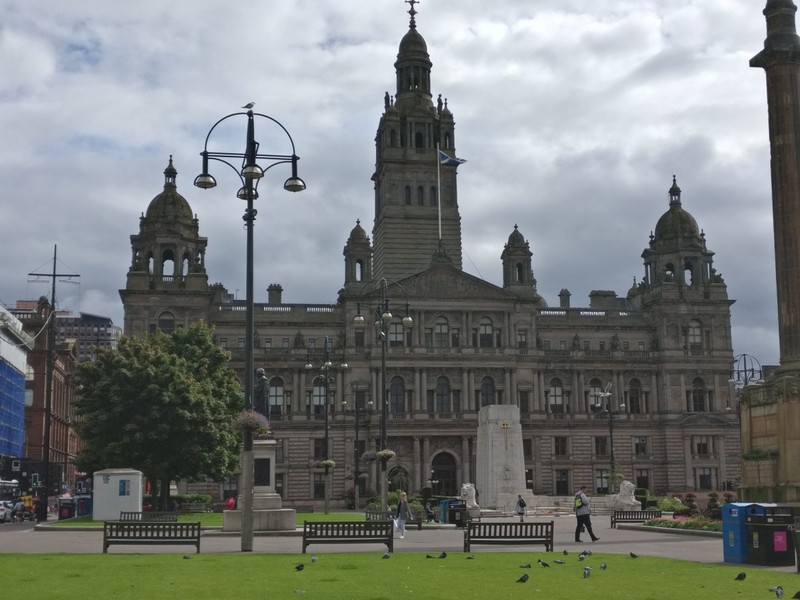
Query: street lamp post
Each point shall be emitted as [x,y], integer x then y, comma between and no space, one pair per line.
[357,410]
[383,319]
[325,368]
[250,175]
[746,369]
[612,414]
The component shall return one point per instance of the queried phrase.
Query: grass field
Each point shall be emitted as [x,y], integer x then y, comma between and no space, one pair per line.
[489,575]
[215,519]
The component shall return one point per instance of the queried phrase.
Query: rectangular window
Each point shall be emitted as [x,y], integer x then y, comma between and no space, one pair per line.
[524,401]
[705,478]
[556,399]
[223,342]
[586,345]
[560,446]
[455,340]
[522,338]
[626,346]
[268,343]
[397,335]
[312,343]
[527,448]
[562,482]
[601,481]
[546,344]
[702,445]
[359,338]
[429,338]
[602,345]
[319,448]
[641,346]
[285,343]
[319,486]
[640,446]
[241,342]
[601,446]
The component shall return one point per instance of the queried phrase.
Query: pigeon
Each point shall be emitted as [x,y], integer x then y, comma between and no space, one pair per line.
[587,571]
[741,576]
[796,596]
[525,566]
[429,556]
[603,566]
[187,557]
[386,556]
[566,553]
[299,567]
[544,564]
[637,556]
[523,579]
[581,557]
[559,562]
[470,558]
[313,559]
[586,553]
[249,105]
[778,591]
[442,555]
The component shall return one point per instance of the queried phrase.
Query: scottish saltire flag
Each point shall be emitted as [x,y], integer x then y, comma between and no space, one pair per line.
[449,161]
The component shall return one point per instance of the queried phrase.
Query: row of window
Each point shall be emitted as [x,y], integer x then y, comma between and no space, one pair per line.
[702,446]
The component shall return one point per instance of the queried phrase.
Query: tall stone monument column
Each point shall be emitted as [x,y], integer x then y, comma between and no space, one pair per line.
[500,470]
[778,400]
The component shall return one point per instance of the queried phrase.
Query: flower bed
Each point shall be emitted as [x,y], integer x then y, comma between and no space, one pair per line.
[698,523]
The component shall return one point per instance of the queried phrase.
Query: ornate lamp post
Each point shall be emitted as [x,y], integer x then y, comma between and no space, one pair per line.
[357,411]
[612,415]
[383,319]
[250,175]
[746,369]
[324,369]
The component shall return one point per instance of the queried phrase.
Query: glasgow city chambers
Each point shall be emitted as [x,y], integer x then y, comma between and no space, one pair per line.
[633,386]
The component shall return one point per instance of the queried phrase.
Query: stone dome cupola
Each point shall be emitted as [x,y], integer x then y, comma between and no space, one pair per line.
[413,65]
[517,266]
[169,205]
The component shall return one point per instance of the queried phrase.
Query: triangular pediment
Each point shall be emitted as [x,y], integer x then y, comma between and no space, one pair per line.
[445,282]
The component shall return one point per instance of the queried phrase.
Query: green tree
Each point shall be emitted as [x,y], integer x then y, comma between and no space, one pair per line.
[162,404]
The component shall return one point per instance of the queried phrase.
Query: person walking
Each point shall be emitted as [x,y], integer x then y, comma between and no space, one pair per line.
[402,514]
[521,507]
[583,513]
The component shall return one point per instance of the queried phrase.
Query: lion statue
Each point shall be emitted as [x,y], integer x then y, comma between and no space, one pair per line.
[468,495]
[625,500]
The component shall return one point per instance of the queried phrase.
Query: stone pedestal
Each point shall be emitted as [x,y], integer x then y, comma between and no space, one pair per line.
[267,512]
[501,463]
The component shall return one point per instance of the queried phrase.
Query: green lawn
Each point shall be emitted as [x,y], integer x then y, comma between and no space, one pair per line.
[368,576]
[215,519]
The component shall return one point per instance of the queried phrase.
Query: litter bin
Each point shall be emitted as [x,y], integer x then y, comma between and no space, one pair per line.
[458,514]
[83,506]
[66,508]
[734,532]
[445,513]
[769,535]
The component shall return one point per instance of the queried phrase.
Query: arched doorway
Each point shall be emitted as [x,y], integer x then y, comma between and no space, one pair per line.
[443,473]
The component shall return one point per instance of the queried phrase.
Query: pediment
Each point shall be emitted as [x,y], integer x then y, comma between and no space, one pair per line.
[445,282]
[703,419]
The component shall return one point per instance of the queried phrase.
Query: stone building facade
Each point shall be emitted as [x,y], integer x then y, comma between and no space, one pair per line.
[647,371]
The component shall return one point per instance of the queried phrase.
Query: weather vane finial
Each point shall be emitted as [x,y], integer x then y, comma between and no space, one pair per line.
[412,12]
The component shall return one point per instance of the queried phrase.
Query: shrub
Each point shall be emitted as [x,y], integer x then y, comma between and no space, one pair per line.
[670,504]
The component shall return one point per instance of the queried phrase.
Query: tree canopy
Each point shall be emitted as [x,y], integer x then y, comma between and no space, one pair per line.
[162,404]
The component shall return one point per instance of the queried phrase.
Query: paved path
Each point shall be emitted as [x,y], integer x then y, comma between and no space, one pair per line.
[626,538]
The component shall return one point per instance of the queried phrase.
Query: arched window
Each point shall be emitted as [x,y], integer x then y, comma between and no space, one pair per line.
[443,395]
[635,397]
[669,272]
[434,196]
[485,333]
[397,396]
[688,274]
[359,270]
[698,396]
[276,396]
[166,322]
[408,195]
[694,334]
[419,140]
[595,399]
[151,263]
[420,196]
[519,273]
[397,334]
[318,397]
[185,265]
[487,391]
[393,138]
[555,397]
[441,333]
[167,264]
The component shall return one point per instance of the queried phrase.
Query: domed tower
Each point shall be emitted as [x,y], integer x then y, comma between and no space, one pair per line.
[681,285]
[167,284]
[357,257]
[517,270]
[410,216]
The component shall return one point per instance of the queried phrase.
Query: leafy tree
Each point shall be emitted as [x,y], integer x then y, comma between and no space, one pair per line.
[162,404]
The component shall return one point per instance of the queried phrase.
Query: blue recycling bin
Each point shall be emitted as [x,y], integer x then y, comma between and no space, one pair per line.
[734,532]
[445,509]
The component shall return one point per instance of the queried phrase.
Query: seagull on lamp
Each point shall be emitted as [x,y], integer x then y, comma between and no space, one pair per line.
[249,105]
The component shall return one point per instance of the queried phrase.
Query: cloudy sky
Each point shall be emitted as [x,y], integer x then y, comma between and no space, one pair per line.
[573,116]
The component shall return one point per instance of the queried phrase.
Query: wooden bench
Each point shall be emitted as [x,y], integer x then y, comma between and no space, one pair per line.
[152,516]
[633,516]
[378,515]
[509,533]
[148,532]
[348,532]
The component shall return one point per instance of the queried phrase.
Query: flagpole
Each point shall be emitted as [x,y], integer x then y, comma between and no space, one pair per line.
[439,189]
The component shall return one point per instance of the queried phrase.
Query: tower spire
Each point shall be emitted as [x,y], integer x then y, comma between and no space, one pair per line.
[412,23]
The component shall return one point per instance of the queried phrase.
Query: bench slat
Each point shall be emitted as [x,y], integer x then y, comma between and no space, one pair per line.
[633,516]
[150,532]
[509,533]
[348,532]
